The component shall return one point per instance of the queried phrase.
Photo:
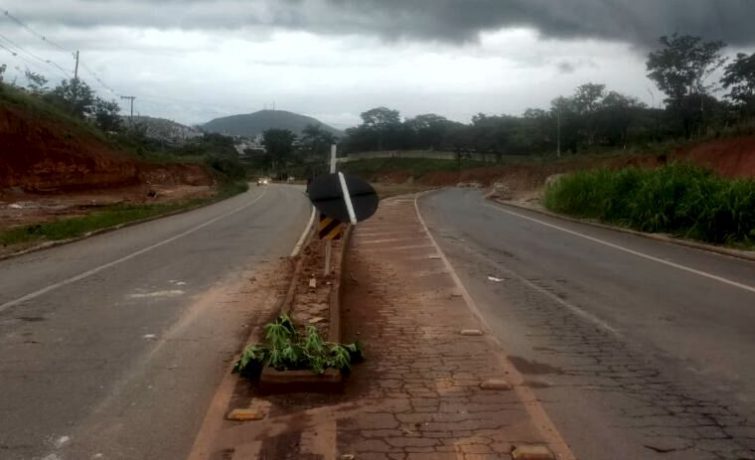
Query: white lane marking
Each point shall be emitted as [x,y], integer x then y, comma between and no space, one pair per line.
[630,251]
[303,236]
[147,295]
[96,270]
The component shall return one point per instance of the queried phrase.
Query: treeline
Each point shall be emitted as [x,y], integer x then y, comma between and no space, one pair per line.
[593,117]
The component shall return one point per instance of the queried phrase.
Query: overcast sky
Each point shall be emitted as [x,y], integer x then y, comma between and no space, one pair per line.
[194,60]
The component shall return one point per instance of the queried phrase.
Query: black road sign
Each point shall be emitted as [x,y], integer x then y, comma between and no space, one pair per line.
[326,194]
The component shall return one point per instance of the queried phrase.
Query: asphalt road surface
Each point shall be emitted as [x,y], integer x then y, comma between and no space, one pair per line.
[112,347]
[636,348]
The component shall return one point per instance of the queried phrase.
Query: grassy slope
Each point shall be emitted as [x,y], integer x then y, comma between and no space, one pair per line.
[682,200]
[109,217]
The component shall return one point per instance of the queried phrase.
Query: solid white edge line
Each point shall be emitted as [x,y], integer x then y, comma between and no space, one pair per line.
[303,236]
[627,250]
[533,406]
[96,270]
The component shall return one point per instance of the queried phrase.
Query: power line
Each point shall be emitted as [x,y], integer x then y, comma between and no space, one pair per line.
[34,32]
[54,44]
[21,49]
[26,60]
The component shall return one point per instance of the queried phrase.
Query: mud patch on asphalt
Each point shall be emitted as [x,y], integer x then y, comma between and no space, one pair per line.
[533,367]
[31,319]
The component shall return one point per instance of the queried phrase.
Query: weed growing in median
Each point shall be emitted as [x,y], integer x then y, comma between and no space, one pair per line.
[286,348]
[680,199]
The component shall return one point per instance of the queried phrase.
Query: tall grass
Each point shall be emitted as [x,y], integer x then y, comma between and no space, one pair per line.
[679,199]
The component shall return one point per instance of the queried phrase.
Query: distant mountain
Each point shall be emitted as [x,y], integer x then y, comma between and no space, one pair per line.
[253,124]
[164,129]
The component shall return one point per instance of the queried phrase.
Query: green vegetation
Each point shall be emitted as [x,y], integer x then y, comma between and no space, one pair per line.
[108,217]
[593,118]
[679,199]
[287,348]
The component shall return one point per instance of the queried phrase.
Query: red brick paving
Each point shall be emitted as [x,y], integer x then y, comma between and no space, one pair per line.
[418,395]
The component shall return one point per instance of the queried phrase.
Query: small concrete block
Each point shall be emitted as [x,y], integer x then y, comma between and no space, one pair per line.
[471,332]
[532,452]
[495,384]
[246,415]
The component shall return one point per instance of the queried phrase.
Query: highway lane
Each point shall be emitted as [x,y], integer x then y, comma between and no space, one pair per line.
[112,347]
[637,348]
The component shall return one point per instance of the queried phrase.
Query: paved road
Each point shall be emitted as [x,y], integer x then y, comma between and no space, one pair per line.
[638,349]
[112,347]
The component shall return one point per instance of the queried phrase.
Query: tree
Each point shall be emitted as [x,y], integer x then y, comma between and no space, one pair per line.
[615,116]
[75,96]
[316,141]
[279,144]
[380,118]
[428,130]
[315,146]
[3,67]
[739,79]
[107,115]
[586,101]
[36,82]
[680,69]
[384,124]
[683,65]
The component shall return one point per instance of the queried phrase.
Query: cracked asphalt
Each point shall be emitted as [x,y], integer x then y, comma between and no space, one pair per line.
[630,356]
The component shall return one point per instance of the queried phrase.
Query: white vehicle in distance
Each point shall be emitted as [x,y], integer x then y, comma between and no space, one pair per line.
[263,181]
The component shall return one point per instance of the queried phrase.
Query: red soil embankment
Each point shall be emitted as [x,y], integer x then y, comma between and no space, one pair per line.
[40,154]
[733,157]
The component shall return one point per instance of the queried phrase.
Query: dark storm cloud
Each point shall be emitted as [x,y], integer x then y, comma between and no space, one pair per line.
[639,22]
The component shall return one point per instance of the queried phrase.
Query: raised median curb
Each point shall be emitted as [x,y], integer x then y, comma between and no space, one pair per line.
[746,255]
[273,381]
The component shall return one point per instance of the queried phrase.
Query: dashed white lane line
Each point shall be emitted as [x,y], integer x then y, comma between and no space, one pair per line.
[147,295]
[96,270]
[629,251]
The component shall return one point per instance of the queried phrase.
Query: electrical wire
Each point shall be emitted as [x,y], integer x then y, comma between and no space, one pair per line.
[34,32]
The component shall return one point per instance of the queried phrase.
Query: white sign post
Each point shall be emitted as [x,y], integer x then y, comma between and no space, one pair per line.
[329,243]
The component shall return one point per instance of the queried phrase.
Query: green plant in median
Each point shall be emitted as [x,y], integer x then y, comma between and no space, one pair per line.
[680,199]
[286,348]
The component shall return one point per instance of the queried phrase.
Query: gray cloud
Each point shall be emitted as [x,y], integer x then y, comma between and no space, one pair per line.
[639,22]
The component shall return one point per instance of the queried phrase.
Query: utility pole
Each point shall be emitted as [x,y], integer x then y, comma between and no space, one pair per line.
[558,133]
[76,69]
[130,98]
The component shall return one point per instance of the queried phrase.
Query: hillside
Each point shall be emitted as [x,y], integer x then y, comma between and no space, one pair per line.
[252,124]
[45,150]
[165,130]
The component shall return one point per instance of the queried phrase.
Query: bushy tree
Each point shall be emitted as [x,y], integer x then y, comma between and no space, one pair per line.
[681,68]
[739,79]
[74,96]
[279,144]
[107,115]
[35,82]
